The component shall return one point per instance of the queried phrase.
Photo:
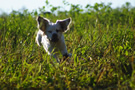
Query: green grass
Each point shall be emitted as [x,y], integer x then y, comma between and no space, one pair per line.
[110,42]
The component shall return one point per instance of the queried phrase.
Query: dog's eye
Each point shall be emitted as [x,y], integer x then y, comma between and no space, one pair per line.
[50,31]
[57,30]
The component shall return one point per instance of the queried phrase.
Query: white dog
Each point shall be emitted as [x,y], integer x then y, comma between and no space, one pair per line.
[50,35]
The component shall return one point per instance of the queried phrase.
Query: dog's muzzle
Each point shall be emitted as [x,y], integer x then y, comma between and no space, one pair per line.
[54,38]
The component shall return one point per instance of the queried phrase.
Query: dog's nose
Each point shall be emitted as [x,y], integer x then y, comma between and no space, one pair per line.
[55,37]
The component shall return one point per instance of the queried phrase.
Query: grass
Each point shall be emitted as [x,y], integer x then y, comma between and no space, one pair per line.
[102,44]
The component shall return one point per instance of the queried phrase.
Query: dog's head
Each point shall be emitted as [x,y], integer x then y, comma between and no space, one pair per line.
[53,30]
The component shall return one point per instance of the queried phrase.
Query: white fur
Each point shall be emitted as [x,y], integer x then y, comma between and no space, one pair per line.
[45,35]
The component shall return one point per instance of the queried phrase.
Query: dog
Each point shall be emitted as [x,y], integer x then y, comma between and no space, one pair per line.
[50,35]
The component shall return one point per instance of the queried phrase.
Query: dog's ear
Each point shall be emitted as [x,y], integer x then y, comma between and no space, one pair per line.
[42,23]
[64,24]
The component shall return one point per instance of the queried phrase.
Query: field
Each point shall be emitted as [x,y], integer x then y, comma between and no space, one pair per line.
[101,40]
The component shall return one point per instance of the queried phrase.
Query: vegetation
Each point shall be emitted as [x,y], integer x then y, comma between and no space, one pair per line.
[101,40]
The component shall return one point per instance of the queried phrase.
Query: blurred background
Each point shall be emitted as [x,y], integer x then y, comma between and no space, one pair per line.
[7,6]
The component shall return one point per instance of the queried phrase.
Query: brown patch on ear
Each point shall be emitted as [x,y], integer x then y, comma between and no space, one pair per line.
[64,24]
[42,23]
[42,26]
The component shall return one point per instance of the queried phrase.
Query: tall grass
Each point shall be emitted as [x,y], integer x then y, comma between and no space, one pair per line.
[101,39]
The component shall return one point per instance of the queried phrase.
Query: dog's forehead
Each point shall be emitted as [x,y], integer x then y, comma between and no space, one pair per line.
[52,26]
